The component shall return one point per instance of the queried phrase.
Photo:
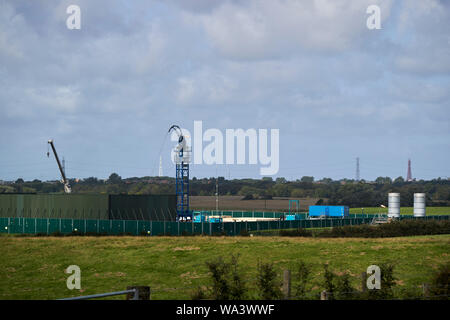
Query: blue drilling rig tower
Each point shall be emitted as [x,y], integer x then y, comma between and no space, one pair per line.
[182,159]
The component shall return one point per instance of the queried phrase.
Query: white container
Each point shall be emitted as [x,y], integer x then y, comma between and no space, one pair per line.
[419,205]
[394,205]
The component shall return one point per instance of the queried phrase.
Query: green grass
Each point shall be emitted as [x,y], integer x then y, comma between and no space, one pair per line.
[431,211]
[33,268]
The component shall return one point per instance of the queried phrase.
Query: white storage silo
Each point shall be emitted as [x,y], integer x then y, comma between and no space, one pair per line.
[394,205]
[419,205]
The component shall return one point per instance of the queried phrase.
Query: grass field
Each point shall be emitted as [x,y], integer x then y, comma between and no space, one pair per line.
[431,211]
[33,267]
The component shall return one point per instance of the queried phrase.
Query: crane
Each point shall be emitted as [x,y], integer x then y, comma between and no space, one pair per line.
[182,158]
[67,188]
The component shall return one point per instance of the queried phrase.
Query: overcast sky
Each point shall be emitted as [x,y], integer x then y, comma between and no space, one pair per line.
[108,93]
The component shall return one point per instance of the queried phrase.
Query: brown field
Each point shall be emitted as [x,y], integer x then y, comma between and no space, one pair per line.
[235,203]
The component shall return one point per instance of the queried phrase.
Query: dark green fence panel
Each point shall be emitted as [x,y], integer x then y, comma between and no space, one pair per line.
[216,228]
[104,226]
[117,226]
[199,228]
[30,225]
[247,214]
[252,226]
[157,228]
[185,228]
[237,214]
[92,226]
[274,224]
[54,225]
[258,214]
[240,227]
[171,228]
[65,225]
[144,227]
[4,224]
[41,226]
[132,227]
[138,227]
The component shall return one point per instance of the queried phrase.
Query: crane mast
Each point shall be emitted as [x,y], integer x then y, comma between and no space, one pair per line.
[67,188]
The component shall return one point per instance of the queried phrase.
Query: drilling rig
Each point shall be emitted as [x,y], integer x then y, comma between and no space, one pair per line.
[182,159]
[67,188]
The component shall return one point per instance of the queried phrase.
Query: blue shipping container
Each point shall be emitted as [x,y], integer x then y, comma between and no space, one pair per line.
[199,218]
[291,217]
[328,211]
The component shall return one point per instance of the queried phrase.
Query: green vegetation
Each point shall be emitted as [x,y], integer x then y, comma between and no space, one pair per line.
[175,267]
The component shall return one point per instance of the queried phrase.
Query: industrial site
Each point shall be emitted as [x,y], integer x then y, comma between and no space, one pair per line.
[224,158]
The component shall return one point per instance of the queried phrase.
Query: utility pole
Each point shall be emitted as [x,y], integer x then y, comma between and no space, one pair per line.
[217,192]
[357,169]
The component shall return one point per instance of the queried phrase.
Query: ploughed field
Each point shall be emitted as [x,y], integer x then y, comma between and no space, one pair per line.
[33,267]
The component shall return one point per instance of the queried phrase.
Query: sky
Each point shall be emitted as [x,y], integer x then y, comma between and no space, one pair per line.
[336,90]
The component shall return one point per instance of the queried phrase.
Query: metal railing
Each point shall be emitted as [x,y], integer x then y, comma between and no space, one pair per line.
[139,293]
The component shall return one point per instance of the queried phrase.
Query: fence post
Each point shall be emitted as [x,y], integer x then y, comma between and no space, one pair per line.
[287,284]
[426,290]
[324,295]
[141,293]
[364,281]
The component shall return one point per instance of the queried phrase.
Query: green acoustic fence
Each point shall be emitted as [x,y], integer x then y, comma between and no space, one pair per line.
[48,226]
[89,206]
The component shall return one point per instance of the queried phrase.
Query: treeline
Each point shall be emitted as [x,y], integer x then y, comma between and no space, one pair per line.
[342,192]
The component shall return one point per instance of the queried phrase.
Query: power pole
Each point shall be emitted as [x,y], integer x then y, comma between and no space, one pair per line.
[357,169]
[160,173]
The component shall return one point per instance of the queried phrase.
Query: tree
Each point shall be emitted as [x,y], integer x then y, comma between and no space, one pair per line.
[307,179]
[280,180]
[383,180]
[297,193]
[399,180]
[114,178]
[327,180]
